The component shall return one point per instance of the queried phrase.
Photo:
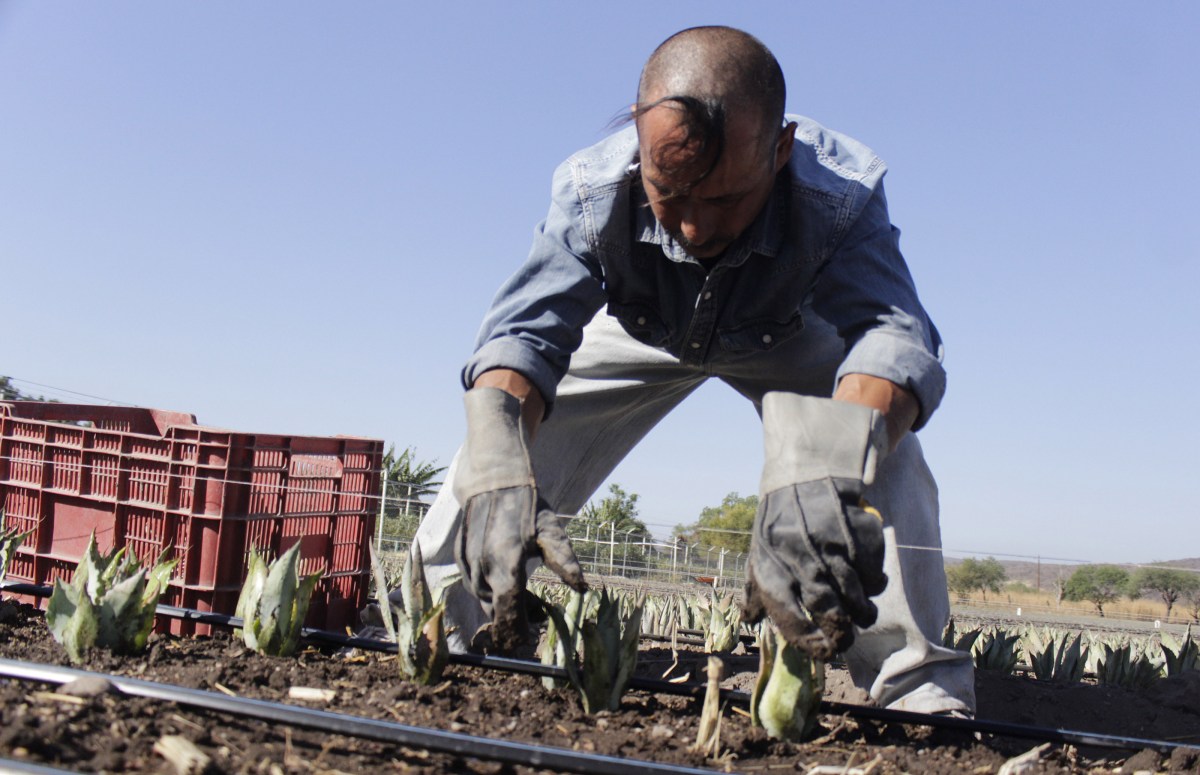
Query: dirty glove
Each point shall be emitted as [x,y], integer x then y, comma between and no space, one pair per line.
[816,543]
[504,521]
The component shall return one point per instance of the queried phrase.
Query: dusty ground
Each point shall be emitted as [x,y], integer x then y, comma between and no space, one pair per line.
[110,733]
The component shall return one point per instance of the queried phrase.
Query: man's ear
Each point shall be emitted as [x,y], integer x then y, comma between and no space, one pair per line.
[783,146]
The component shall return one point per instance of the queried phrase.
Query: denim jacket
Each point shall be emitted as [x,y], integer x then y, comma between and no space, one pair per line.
[823,244]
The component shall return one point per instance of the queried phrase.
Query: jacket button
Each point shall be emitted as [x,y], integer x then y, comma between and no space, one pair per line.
[695,345]
[766,338]
[707,295]
[641,321]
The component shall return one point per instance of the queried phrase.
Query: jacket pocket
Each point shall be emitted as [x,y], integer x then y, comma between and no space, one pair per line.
[760,334]
[641,321]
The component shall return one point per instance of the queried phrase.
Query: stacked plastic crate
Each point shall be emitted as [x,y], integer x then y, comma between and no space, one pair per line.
[151,480]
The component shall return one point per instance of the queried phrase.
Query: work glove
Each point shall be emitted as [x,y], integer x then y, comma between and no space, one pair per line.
[816,551]
[504,521]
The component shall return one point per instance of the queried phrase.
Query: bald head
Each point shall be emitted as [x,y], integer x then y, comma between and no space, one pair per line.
[711,77]
[715,65]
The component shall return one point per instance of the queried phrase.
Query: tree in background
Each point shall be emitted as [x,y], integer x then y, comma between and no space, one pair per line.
[1098,584]
[1192,599]
[600,523]
[8,392]
[1169,583]
[723,527]
[985,575]
[406,480]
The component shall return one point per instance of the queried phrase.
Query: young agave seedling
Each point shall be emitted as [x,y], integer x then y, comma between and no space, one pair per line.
[787,694]
[10,540]
[609,643]
[724,624]
[274,602]
[417,624]
[109,603]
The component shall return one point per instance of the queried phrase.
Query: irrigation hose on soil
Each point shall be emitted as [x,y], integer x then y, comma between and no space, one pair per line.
[1003,728]
[485,748]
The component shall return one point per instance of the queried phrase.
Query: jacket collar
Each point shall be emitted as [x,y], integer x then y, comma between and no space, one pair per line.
[764,236]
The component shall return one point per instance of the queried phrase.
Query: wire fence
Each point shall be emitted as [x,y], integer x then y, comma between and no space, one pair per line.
[611,554]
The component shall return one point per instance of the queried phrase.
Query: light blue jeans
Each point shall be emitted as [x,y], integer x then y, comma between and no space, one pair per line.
[617,389]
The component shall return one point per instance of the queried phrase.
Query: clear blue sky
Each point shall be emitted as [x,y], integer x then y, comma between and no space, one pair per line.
[290,217]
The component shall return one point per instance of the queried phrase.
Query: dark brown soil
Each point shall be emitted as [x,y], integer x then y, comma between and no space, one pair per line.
[113,733]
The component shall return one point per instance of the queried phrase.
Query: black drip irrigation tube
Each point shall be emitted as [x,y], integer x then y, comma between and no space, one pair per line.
[486,748]
[696,690]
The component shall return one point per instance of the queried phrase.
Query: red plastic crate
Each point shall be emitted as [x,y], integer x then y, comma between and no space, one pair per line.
[148,479]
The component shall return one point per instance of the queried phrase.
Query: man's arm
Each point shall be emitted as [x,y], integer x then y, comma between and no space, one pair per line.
[533,406]
[898,406]
[894,361]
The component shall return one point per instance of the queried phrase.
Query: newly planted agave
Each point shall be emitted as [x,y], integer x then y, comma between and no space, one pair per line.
[10,539]
[787,694]
[724,624]
[609,648]
[109,603]
[418,623]
[274,602]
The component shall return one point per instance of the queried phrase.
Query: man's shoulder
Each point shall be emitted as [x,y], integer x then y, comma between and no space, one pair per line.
[612,161]
[823,158]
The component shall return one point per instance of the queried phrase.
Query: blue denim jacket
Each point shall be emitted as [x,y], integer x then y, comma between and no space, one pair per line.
[823,244]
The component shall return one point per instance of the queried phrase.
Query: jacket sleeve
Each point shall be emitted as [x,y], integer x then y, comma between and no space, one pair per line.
[536,320]
[866,291]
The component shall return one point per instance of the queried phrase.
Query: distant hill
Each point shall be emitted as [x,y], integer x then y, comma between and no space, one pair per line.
[1030,573]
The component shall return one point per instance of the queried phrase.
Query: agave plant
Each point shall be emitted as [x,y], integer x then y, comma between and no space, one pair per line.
[999,650]
[965,642]
[109,603]
[1056,660]
[788,691]
[724,623]
[1180,656]
[418,623]
[609,647]
[1124,666]
[10,540]
[274,602]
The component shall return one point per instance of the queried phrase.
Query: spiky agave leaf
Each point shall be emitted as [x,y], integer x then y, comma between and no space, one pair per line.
[631,628]
[10,541]
[72,620]
[561,636]
[1182,655]
[247,604]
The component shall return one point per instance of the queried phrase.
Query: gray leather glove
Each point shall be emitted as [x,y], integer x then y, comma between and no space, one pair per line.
[504,521]
[816,551]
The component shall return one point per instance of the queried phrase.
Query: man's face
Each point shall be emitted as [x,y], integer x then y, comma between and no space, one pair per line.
[705,216]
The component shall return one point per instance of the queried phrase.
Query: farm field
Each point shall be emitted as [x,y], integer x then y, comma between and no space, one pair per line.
[114,733]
